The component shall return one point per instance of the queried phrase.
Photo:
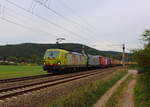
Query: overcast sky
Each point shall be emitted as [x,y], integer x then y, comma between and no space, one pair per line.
[101,24]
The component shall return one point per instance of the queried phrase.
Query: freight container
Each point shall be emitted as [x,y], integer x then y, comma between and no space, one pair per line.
[111,61]
[103,61]
[107,61]
[75,59]
[93,61]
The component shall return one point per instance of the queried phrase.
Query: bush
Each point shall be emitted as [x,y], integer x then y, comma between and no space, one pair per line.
[142,56]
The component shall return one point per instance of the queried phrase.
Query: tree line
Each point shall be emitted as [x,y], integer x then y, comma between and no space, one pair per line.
[33,53]
[142,56]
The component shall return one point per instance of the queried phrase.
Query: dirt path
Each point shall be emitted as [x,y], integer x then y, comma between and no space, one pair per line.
[103,100]
[128,97]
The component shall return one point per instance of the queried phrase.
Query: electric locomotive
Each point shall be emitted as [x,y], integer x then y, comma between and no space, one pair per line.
[57,60]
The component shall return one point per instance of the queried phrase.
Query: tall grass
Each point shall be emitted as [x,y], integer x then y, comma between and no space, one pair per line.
[87,95]
[142,89]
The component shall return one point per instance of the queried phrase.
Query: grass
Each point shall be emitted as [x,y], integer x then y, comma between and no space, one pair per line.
[11,71]
[142,89]
[115,98]
[87,95]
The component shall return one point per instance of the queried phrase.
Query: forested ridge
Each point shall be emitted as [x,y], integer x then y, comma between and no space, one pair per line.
[28,51]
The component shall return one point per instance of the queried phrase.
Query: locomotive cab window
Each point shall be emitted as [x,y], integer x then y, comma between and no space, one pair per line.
[52,54]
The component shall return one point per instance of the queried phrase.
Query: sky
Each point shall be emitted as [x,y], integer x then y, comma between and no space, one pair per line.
[101,24]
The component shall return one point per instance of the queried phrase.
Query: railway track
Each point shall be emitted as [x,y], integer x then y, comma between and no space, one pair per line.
[29,78]
[20,90]
[24,78]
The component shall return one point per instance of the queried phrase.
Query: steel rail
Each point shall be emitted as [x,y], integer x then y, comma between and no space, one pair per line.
[24,78]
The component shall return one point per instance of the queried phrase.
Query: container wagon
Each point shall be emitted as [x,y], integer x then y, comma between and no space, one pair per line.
[93,61]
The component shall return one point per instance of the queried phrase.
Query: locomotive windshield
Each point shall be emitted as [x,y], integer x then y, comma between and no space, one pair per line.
[51,54]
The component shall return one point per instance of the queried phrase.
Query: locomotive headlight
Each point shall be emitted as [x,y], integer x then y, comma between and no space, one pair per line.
[59,63]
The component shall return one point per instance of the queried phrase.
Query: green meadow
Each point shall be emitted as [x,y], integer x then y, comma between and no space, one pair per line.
[11,71]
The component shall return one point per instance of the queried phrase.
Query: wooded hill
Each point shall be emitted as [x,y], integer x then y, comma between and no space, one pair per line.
[28,51]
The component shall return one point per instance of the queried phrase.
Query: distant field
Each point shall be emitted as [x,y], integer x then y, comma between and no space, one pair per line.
[20,71]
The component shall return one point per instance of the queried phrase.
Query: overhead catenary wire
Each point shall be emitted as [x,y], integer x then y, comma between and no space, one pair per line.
[3,17]
[90,27]
[24,17]
[59,14]
[62,16]
[44,19]
[52,23]
[25,27]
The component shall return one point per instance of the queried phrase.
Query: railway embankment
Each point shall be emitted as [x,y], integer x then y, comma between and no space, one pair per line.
[87,95]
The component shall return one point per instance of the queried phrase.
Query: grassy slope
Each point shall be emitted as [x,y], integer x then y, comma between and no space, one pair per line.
[19,71]
[142,89]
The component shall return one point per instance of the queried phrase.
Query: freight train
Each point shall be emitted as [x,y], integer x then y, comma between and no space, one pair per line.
[59,60]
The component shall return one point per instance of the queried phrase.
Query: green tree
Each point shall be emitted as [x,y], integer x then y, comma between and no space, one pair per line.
[146,36]
[36,59]
[142,56]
